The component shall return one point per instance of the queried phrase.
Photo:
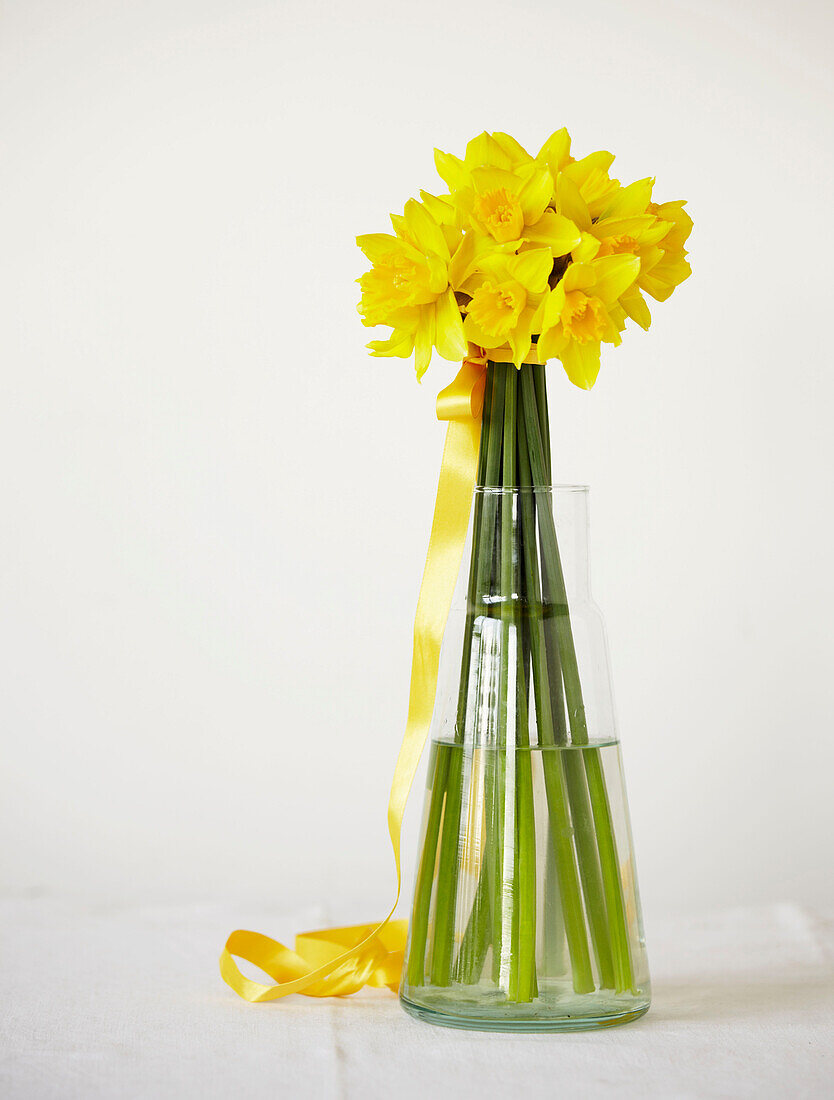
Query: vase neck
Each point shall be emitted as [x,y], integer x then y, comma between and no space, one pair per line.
[521,511]
[570,508]
[515,459]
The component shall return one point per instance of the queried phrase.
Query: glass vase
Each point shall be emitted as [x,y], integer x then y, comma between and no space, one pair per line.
[526,915]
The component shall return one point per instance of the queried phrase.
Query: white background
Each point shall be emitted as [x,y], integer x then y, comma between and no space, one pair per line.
[215,505]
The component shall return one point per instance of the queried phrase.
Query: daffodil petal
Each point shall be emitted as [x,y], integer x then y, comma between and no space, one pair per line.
[438,279]
[440,208]
[406,318]
[613,275]
[401,229]
[635,306]
[377,245]
[586,249]
[571,204]
[520,338]
[553,306]
[581,362]
[551,343]
[591,177]
[556,231]
[516,152]
[424,340]
[538,315]
[578,277]
[555,152]
[473,281]
[489,261]
[449,336]
[532,269]
[631,200]
[582,169]
[485,150]
[493,179]
[424,230]
[649,259]
[634,226]
[451,170]
[681,223]
[536,194]
[400,345]
[476,334]
[667,274]
[461,259]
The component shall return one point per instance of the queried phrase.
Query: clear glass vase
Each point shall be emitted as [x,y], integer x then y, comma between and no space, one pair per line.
[526,915]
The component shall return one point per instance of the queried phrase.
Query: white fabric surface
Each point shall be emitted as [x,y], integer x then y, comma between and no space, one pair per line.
[118,1002]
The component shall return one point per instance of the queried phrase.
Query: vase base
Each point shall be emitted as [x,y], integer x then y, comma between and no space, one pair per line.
[539,1020]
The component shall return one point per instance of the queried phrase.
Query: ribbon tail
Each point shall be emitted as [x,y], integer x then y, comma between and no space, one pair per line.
[373,953]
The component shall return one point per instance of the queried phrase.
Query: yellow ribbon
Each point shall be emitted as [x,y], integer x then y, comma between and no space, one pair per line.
[338,961]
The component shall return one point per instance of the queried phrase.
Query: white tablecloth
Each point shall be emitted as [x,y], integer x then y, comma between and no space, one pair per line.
[127,1002]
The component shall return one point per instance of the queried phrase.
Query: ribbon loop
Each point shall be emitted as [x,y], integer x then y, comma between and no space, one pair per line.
[463,398]
[349,958]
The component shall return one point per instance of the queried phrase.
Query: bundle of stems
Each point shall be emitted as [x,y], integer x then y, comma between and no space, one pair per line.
[516,580]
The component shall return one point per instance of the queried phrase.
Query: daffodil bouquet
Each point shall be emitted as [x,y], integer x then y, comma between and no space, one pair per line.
[525,909]
[526,257]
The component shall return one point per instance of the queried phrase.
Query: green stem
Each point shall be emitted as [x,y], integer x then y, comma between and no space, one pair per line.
[540,386]
[609,862]
[474,603]
[526,891]
[600,808]
[556,796]
[554,666]
[549,676]
[418,928]
[504,886]
[475,943]
[480,569]
[514,734]
[481,932]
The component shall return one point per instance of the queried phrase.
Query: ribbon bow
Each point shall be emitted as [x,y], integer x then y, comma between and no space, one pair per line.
[339,961]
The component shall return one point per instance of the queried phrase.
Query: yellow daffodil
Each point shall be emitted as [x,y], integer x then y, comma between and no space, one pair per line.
[582,311]
[630,224]
[668,267]
[501,203]
[500,192]
[590,175]
[506,293]
[503,196]
[548,251]
[484,151]
[408,288]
